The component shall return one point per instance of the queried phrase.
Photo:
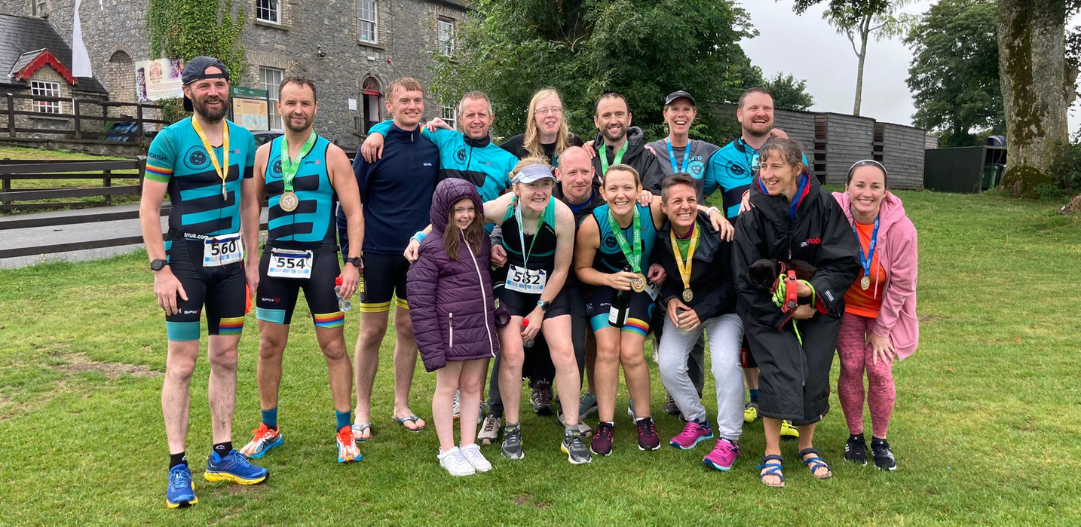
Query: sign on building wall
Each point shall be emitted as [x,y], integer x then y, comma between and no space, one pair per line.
[250,108]
[158,79]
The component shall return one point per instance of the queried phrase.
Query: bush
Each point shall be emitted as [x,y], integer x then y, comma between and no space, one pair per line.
[1065,169]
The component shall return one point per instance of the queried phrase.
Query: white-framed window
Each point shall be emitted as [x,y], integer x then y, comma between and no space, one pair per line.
[268,11]
[41,7]
[46,89]
[446,36]
[450,116]
[271,78]
[368,12]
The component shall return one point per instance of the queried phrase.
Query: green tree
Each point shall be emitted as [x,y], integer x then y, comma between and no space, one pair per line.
[511,48]
[860,20]
[188,28]
[789,93]
[954,75]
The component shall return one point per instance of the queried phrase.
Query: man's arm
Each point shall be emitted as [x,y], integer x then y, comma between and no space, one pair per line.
[344,183]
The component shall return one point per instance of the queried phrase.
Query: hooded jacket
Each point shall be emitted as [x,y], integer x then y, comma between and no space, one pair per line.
[451,302]
[636,156]
[794,381]
[897,253]
[711,271]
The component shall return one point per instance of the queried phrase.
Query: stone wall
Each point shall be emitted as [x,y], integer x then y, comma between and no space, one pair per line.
[317,39]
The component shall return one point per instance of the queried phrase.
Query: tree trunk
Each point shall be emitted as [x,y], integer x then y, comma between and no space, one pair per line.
[1032,43]
[865,32]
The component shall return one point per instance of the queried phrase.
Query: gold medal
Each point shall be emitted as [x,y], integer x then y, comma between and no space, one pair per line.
[688,295]
[865,282]
[289,202]
[638,284]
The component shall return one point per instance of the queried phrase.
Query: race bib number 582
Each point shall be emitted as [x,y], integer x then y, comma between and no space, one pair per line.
[524,280]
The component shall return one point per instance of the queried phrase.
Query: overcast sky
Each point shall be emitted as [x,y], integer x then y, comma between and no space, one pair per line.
[809,48]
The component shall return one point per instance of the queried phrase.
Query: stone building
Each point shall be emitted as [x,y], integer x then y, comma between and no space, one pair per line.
[352,49]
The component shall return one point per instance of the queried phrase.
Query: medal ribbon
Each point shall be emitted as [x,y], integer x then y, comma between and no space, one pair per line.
[866,260]
[672,156]
[685,268]
[291,166]
[618,159]
[632,252]
[521,230]
[210,151]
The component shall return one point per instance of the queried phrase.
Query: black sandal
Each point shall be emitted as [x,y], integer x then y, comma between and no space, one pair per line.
[815,463]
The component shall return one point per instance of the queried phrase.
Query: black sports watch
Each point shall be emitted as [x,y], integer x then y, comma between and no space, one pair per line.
[544,305]
[356,261]
[157,265]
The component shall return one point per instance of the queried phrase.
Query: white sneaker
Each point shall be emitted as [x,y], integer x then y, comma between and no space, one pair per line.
[455,463]
[474,457]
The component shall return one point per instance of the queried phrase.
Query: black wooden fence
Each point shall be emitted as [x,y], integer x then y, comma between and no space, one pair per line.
[106,171]
[88,118]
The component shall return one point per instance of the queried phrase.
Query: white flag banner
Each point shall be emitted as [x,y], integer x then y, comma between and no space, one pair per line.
[80,59]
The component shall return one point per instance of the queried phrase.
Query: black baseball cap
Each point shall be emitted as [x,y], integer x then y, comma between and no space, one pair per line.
[195,70]
[677,95]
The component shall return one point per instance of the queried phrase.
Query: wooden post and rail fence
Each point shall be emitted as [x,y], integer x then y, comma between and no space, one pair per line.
[87,120]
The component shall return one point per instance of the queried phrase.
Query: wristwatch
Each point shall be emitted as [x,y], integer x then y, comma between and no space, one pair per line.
[544,305]
[356,261]
[157,265]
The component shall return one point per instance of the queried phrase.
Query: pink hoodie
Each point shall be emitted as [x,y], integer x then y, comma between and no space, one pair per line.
[897,254]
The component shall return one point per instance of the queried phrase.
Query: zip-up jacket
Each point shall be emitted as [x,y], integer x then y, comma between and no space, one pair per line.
[451,302]
[794,381]
[699,162]
[636,156]
[396,192]
[711,271]
[479,161]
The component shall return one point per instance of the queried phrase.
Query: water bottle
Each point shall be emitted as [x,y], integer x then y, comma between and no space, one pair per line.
[343,303]
[617,315]
[528,343]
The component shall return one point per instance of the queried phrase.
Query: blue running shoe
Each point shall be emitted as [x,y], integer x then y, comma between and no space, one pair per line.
[181,491]
[233,467]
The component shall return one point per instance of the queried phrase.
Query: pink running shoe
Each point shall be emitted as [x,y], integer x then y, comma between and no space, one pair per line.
[692,434]
[723,456]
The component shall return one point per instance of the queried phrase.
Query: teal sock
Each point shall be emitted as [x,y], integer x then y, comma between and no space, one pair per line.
[754,395]
[270,418]
[343,418]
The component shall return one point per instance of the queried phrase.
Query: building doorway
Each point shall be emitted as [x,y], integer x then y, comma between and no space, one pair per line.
[371,104]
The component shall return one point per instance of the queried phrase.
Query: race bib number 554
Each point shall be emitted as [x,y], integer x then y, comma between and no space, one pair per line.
[290,264]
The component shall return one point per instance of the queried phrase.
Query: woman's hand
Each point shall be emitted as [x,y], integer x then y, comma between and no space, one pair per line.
[803,312]
[620,281]
[656,273]
[531,324]
[803,288]
[882,349]
[411,250]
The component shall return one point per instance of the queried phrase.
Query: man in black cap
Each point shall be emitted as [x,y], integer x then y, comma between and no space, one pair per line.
[205,164]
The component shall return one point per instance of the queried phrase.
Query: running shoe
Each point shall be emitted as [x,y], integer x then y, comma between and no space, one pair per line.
[583,428]
[542,398]
[602,441]
[489,433]
[181,491]
[788,431]
[264,440]
[750,411]
[347,446]
[575,448]
[647,434]
[670,406]
[472,454]
[455,463]
[233,467]
[457,408]
[512,442]
[587,405]
[856,450]
[692,434]
[723,456]
[880,450]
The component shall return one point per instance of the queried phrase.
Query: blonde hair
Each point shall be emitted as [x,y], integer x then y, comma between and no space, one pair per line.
[405,84]
[532,128]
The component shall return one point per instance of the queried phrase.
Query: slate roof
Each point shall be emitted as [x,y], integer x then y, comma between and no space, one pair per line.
[21,38]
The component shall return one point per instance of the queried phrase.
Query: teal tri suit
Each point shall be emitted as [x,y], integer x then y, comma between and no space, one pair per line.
[202,216]
[609,258]
[732,169]
[309,227]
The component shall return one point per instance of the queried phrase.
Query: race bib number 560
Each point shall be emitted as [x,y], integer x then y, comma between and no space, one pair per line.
[222,250]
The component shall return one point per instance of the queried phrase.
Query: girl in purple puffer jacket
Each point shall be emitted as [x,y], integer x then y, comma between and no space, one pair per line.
[452,308]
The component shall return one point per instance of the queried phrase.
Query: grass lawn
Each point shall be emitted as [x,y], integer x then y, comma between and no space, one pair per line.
[16,153]
[984,430]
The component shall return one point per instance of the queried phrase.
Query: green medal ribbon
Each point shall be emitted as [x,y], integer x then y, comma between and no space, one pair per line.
[291,166]
[619,159]
[633,253]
